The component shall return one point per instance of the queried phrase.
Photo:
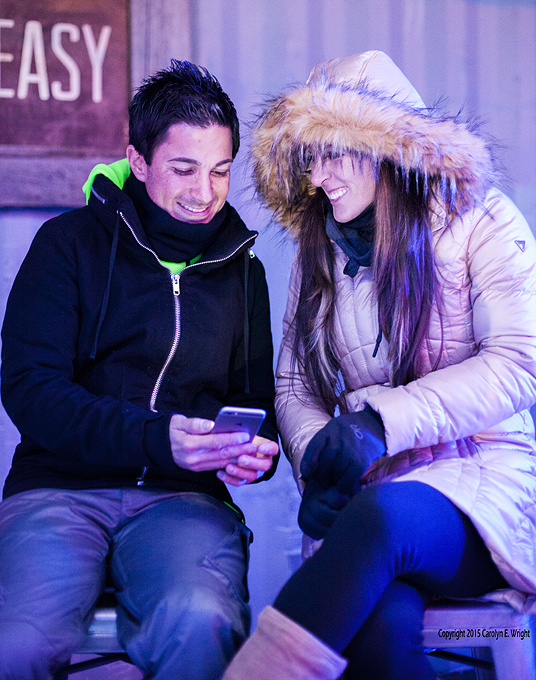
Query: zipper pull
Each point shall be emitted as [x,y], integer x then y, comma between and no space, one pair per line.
[175,282]
[140,481]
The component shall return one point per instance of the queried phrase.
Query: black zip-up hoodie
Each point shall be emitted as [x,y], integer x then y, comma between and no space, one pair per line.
[102,344]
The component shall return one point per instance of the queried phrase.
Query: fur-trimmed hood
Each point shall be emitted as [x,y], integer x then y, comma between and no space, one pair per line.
[364,105]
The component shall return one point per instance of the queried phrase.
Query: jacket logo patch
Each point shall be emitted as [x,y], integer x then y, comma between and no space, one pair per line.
[521,245]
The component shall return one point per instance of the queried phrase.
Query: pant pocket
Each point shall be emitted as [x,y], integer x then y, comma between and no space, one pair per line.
[230,561]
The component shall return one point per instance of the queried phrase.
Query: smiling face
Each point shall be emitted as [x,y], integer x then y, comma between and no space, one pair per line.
[189,173]
[349,183]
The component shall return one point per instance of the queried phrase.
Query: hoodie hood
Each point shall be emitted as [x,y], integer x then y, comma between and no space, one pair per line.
[117,172]
[364,105]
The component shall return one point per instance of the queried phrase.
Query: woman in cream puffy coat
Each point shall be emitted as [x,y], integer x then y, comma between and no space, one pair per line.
[428,321]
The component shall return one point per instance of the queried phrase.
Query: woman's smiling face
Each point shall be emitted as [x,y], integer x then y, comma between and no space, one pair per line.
[349,184]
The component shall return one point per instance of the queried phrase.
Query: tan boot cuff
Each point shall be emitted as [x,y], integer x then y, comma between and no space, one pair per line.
[323,661]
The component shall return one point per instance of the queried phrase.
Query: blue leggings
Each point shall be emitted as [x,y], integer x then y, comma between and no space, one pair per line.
[365,591]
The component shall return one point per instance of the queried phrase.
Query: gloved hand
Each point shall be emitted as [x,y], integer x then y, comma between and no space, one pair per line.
[319,508]
[333,463]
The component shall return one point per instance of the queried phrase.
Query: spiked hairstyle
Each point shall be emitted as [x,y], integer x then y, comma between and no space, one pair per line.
[182,93]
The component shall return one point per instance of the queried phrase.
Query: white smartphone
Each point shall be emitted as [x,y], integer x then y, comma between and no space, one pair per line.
[239,419]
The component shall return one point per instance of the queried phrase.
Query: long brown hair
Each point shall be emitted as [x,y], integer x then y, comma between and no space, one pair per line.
[404,276]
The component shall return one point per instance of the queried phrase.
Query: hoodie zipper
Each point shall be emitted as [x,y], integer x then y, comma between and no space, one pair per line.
[175,284]
[140,480]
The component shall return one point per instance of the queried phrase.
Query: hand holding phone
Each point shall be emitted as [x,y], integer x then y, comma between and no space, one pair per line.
[236,463]
[249,467]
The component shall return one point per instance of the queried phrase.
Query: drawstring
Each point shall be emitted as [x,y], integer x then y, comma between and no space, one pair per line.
[377,345]
[104,305]
[246,319]
[378,339]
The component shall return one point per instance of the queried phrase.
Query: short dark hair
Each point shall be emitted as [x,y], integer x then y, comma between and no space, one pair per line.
[182,93]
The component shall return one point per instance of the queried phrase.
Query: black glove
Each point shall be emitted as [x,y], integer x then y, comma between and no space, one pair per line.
[332,466]
[319,508]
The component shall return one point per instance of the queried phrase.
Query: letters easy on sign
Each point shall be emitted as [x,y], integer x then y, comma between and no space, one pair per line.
[64,75]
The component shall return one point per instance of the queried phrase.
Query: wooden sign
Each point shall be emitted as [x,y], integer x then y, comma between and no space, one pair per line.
[64,77]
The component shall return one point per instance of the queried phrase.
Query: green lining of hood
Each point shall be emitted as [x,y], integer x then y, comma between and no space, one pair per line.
[116,172]
[177,267]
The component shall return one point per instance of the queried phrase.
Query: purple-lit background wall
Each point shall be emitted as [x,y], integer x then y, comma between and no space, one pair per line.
[477,54]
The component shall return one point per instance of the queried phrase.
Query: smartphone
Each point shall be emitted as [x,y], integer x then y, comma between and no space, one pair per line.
[239,419]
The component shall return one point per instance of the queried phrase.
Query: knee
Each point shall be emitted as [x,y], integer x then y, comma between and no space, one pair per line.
[396,622]
[184,625]
[384,514]
[399,622]
[205,609]
[389,644]
[188,612]
[368,522]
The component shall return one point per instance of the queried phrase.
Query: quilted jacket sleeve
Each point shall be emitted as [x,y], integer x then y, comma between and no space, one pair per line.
[484,390]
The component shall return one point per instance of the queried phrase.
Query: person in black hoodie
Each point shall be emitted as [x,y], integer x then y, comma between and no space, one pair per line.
[130,323]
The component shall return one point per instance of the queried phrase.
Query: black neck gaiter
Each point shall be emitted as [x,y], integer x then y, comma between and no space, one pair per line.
[171,239]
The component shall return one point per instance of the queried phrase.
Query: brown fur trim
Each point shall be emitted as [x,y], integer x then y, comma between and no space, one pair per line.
[447,154]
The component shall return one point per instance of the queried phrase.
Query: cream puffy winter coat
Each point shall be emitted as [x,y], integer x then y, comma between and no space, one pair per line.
[463,428]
